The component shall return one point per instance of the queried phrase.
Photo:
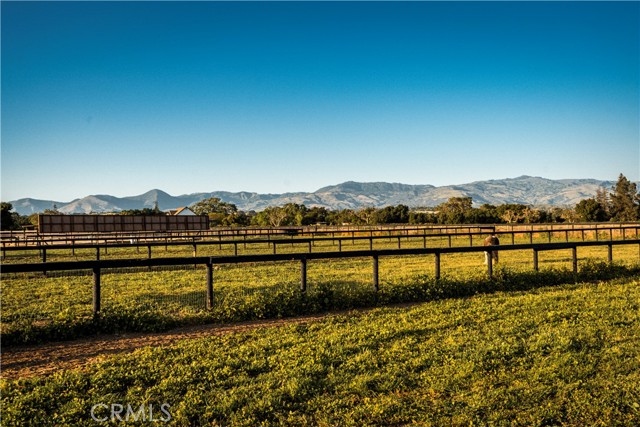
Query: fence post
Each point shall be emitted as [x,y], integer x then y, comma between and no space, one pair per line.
[376,283]
[490,265]
[339,245]
[44,260]
[535,260]
[574,256]
[96,291]
[610,253]
[437,265]
[209,284]
[303,274]
[149,251]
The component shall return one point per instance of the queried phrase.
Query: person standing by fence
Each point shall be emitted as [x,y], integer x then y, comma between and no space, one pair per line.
[491,241]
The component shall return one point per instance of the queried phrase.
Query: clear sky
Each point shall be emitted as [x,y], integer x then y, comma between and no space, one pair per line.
[120,97]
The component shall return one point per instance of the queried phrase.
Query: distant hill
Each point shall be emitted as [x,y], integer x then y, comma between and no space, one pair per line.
[528,190]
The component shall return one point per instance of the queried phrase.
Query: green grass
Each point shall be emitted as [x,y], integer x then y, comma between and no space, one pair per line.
[566,355]
[37,308]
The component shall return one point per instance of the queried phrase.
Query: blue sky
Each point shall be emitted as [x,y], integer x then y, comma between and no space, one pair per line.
[119,97]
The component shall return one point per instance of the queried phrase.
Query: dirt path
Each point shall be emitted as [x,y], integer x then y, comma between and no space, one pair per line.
[46,359]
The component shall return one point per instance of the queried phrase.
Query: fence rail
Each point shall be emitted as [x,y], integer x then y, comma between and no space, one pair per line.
[310,242]
[32,236]
[39,239]
[98,265]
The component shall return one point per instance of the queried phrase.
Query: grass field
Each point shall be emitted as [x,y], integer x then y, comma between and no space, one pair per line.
[566,355]
[37,308]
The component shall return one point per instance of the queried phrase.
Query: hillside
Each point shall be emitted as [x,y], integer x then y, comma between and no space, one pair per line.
[528,190]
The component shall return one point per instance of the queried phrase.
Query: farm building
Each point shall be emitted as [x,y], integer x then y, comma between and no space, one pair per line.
[183,211]
[119,223]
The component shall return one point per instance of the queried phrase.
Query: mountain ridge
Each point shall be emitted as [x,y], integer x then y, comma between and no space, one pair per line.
[529,190]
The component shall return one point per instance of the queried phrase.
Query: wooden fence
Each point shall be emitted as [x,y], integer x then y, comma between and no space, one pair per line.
[24,238]
[98,265]
[310,242]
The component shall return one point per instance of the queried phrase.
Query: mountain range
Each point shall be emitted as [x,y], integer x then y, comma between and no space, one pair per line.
[527,190]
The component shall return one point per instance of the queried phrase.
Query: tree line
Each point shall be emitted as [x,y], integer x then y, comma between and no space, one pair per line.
[622,203]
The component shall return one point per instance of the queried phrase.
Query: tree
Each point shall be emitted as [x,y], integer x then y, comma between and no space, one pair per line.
[367,215]
[242,218]
[602,197]
[7,219]
[219,212]
[53,211]
[556,214]
[213,205]
[276,216]
[590,210]
[32,219]
[392,215]
[144,211]
[289,214]
[518,213]
[568,215]
[295,213]
[343,216]
[418,217]
[315,215]
[625,200]
[455,210]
